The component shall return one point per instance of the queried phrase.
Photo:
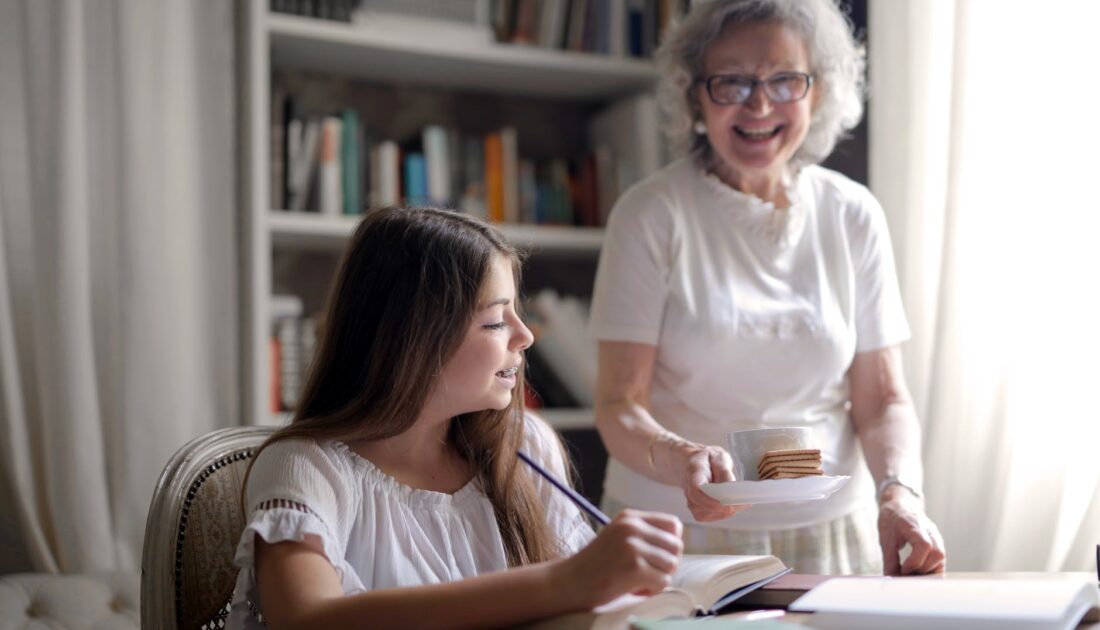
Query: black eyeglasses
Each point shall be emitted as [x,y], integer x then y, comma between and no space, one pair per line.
[735,89]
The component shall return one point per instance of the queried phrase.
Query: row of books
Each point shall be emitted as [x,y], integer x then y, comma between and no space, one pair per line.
[292,343]
[339,10]
[333,165]
[612,27]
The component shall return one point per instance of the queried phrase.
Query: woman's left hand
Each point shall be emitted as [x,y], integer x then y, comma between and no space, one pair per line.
[696,465]
[901,521]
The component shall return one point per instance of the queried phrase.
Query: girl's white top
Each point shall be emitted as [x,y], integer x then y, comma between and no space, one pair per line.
[377,532]
[756,313]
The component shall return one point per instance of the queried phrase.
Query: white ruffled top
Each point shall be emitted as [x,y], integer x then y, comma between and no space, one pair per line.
[377,532]
[756,313]
[778,226]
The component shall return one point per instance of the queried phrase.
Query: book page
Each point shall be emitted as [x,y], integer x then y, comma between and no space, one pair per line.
[698,583]
[708,577]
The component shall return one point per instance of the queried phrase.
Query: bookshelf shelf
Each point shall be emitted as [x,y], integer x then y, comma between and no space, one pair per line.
[309,230]
[554,238]
[470,60]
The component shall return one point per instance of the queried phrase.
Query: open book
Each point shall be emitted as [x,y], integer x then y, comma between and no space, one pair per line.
[961,603]
[701,586]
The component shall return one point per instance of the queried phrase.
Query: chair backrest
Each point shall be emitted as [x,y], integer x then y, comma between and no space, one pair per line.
[191,533]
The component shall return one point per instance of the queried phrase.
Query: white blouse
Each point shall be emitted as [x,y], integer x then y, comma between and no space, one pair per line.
[379,533]
[756,313]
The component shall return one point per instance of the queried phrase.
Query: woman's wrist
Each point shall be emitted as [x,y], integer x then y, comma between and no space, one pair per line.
[891,488]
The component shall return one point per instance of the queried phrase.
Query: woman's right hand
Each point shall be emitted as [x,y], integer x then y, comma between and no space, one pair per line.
[636,553]
[693,465]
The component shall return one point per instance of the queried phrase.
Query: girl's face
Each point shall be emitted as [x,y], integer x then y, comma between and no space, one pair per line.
[482,373]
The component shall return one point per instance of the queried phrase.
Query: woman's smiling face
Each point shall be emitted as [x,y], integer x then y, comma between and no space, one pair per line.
[759,137]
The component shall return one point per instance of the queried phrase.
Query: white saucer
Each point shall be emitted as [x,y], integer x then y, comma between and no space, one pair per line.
[775,490]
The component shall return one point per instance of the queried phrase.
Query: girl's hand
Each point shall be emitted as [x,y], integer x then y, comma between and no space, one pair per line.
[636,553]
[697,464]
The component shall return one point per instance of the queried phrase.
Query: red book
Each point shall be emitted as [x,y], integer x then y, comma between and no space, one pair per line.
[274,380]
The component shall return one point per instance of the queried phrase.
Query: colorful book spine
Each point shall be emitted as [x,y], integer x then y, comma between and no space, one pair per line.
[331,191]
[386,179]
[349,162]
[473,161]
[303,138]
[509,172]
[437,157]
[416,179]
[494,178]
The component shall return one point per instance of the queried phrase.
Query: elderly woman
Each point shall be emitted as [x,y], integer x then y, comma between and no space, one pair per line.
[744,287]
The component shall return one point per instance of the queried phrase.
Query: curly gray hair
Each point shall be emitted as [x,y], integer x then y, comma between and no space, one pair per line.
[836,60]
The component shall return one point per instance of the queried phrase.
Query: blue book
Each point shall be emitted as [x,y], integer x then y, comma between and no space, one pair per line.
[349,161]
[416,179]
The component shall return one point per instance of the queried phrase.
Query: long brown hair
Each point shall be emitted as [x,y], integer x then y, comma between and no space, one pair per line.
[405,295]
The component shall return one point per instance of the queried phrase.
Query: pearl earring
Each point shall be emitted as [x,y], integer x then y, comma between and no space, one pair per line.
[699,128]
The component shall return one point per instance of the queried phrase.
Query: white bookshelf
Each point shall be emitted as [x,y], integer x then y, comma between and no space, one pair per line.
[399,51]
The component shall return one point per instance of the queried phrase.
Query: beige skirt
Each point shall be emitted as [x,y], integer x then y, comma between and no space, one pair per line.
[844,546]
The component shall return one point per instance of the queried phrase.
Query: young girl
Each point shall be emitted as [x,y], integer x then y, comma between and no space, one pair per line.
[395,497]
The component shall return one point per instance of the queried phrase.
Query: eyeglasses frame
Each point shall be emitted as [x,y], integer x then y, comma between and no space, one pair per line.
[754,83]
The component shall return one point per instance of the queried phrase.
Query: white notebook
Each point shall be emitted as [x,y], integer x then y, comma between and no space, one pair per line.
[941,603]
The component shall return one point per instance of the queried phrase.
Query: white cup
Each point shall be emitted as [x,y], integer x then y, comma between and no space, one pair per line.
[747,447]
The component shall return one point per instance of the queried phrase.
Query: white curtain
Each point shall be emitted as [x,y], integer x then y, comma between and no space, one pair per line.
[118,289]
[983,149]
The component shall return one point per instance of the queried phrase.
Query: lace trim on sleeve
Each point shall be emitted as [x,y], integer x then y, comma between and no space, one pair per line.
[278,520]
[273,504]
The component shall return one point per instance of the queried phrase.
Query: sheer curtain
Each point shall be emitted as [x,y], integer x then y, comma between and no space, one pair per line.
[118,297]
[983,136]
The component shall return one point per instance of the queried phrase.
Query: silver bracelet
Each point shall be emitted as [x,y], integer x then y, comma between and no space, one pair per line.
[892,480]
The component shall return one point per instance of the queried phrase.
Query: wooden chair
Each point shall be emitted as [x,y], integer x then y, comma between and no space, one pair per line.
[191,533]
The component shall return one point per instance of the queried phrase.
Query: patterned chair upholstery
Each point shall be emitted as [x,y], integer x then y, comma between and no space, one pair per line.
[191,533]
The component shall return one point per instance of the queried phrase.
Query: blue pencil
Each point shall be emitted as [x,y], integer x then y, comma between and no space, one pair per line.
[581,502]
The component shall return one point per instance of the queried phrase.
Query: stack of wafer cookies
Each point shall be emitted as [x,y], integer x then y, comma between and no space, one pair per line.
[790,464]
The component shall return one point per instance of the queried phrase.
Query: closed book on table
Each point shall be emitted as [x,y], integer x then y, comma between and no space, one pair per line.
[782,592]
[916,603]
